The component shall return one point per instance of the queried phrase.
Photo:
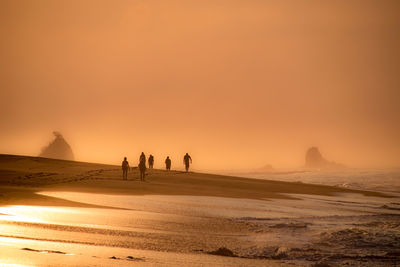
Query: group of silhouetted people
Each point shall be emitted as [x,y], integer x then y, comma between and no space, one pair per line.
[187,160]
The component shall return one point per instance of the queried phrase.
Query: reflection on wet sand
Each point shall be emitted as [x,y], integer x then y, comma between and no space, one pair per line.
[309,230]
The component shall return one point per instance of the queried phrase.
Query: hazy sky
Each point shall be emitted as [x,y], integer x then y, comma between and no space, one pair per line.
[237,84]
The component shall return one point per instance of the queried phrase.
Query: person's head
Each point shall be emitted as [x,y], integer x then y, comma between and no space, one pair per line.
[142,153]
[187,154]
[168,157]
[124,158]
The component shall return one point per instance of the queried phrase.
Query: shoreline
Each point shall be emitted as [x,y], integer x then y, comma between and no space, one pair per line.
[21,177]
[54,210]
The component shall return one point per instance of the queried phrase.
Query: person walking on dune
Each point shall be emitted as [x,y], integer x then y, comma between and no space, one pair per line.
[142,157]
[187,160]
[168,163]
[125,168]
[142,166]
[151,161]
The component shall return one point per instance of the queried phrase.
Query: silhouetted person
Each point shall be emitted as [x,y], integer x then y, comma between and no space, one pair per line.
[168,163]
[142,157]
[187,160]
[151,161]
[142,166]
[125,168]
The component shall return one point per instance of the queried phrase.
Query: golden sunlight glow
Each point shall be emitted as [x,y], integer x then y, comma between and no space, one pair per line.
[34,214]
[2,263]
[237,84]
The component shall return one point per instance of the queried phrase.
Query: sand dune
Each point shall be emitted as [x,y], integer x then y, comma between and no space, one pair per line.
[24,175]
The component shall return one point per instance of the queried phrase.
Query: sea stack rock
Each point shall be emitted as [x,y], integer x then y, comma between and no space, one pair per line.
[315,160]
[58,149]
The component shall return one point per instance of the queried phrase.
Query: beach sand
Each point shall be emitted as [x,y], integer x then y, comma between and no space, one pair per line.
[55,212]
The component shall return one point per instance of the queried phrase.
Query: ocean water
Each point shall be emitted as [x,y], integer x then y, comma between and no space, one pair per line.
[343,229]
[371,179]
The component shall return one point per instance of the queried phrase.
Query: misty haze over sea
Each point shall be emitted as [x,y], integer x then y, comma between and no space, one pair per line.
[372,179]
[200,133]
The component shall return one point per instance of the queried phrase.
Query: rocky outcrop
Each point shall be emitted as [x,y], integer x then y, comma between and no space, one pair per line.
[57,149]
[315,160]
[223,252]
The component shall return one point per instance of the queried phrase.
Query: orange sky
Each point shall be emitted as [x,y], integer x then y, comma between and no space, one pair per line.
[237,84]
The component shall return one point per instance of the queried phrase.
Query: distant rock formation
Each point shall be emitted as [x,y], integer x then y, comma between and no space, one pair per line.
[267,167]
[57,149]
[315,160]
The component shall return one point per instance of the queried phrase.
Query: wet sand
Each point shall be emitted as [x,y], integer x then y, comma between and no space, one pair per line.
[84,214]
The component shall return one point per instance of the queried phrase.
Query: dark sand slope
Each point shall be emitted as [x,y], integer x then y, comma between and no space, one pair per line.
[22,176]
